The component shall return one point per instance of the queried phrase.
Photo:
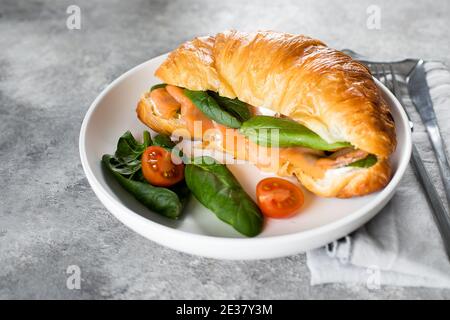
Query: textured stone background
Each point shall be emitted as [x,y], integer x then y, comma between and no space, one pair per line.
[49,75]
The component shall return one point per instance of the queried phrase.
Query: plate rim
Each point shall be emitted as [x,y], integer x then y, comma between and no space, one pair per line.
[103,195]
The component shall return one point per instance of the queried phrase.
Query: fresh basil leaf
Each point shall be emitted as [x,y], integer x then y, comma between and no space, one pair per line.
[217,189]
[367,162]
[163,140]
[260,129]
[211,108]
[158,86]
[160,200]
[235,106]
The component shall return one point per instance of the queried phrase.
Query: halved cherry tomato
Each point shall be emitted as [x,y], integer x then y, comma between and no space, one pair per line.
[158,168]
[278,198]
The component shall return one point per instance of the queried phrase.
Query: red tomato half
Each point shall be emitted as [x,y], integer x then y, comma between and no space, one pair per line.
[278,198]
[158,168]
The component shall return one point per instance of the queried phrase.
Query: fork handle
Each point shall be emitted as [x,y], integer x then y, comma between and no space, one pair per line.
[441,154]
[439,213]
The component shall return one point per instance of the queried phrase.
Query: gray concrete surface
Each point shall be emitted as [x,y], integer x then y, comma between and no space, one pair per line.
[49,75]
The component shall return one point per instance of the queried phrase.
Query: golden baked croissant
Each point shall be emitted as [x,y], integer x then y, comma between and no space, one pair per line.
[300,78]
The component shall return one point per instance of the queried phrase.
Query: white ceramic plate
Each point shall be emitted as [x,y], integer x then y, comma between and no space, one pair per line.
[199,231]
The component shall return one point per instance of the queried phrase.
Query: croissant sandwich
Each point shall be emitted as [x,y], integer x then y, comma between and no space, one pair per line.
[334,129]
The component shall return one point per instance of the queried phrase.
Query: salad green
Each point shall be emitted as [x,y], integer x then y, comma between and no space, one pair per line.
[290,133]
[217,189]
[125,165]
[211,108]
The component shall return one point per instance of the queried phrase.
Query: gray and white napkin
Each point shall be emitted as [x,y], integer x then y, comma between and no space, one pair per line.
[401,246]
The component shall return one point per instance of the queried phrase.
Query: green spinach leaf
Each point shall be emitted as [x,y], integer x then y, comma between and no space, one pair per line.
[212,109]
[127,158]
[235,106]
[163,140]
[259,129]
[125,165]
[160,200]
[158,86]
[367,162]
[217,189]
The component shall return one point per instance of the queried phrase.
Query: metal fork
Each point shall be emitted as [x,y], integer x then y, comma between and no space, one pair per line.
[381,72]
[419,93]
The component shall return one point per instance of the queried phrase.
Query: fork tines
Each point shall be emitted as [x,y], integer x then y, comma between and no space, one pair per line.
[384,72]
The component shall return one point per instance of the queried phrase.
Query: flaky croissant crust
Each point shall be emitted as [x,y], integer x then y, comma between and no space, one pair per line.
[300,77]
